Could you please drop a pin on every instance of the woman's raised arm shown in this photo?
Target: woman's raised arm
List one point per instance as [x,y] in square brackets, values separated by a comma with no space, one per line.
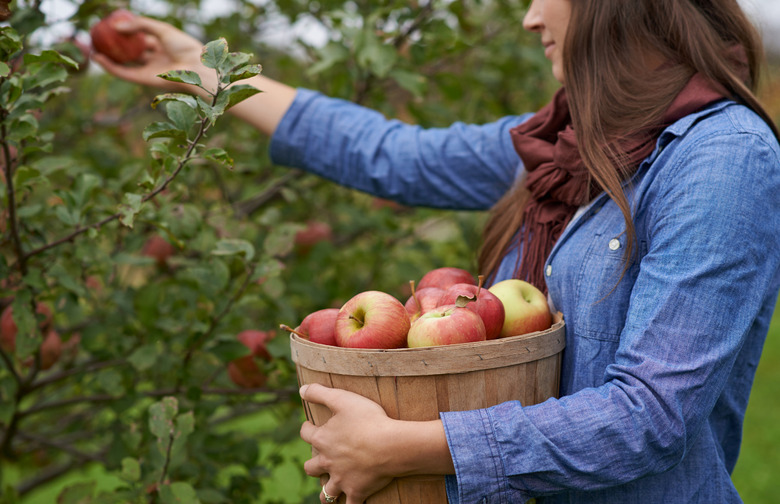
[169,48]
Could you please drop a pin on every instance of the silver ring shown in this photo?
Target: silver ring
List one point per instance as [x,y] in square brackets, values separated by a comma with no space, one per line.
[328,498]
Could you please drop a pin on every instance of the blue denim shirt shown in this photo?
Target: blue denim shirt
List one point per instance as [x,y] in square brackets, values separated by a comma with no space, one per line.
[658,365]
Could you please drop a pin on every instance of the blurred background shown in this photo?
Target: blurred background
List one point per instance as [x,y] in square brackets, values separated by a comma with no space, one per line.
[237,255]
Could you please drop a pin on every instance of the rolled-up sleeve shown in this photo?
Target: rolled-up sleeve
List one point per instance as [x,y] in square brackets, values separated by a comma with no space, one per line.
[462,166]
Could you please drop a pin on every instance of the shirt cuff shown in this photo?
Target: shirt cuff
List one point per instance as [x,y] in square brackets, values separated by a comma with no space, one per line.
[476,455]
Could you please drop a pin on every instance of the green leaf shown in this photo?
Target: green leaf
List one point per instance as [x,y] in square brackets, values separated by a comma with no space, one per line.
[281,240]
[189,100]
[145,357]
[228,247]
[10,42]
[25,126]
[79,493]
[183,76]
[8,388]
[161,415]
[163,130]
[228,350]
[215,53]
[44,74]
[219,156]
[110,380]
[245,72]
[28,338]
[333,53]
[50,56]
[412,82]
[178,493]
[181,115]
[131,470]
[236,94]
[130,208]
[5,70]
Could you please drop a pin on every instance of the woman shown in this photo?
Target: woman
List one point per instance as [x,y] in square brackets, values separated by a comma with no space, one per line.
[647,207]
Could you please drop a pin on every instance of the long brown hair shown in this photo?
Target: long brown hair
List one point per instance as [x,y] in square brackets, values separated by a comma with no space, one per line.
[614,89]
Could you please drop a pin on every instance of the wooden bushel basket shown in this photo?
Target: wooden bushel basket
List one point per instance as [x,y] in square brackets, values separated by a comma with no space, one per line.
[418,383]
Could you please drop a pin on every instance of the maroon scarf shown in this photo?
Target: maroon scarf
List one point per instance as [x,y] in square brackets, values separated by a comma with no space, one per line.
[557,178]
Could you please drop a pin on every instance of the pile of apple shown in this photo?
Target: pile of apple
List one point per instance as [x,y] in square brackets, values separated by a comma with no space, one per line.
[449,306]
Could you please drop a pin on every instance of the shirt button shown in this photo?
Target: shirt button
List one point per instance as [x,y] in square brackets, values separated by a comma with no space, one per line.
[549,270]
[614,244]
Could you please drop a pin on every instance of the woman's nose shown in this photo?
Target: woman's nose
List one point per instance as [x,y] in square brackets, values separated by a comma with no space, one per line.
[533,18]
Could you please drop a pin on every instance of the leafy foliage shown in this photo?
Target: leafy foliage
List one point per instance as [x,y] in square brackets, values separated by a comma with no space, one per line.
[96,170]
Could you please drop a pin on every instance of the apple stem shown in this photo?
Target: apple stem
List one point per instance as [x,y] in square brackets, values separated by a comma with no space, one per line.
[414,295]
[479,286]
[285,327]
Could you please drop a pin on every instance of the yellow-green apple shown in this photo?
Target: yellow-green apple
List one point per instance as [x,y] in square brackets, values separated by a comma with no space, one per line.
[118,46]
[422,300]
[489,308]
[446,325]
[372,319]
[446,277]
[525,307]
[319,326]
[244,371]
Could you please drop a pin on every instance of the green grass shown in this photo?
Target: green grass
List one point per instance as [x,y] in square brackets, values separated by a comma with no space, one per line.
[756,473]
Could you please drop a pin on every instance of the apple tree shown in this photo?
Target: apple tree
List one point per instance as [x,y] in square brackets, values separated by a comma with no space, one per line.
[142,233]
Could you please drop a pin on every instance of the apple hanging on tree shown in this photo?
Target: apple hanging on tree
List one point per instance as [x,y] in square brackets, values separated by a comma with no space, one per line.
[525,306]
[244,371]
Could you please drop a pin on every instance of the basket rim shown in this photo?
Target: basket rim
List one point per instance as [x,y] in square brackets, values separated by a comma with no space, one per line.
[447,359]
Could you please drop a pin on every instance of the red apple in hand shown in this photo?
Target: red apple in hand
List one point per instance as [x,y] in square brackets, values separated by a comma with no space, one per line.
[372,319]
[118,46]
[446,277]
[525,307]
[446,325]
[244,371]
[489,308]
[320,326]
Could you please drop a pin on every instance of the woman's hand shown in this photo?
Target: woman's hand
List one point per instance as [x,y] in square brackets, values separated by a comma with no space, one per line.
[167,48]
[361,449]
[353,445]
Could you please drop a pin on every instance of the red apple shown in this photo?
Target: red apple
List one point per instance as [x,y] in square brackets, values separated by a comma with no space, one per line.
[489,308]
[446,325]
[525,307]
[446,277]
[320,326]
[244,371]
[372,319]
[159,249]
[312,234]
[120,47]
[8,328]
[422,301]
[51,349]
